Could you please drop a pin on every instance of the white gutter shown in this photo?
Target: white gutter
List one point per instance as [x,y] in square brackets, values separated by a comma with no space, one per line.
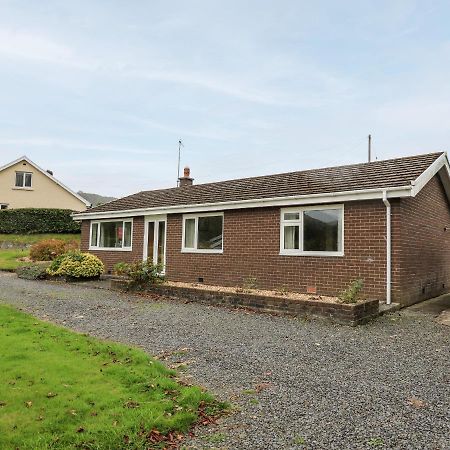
[388,248]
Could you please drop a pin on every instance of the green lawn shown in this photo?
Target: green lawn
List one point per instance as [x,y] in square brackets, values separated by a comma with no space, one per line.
[60,389]
[33,238]
[9,258]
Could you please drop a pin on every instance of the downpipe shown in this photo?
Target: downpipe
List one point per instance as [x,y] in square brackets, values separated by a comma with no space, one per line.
[388,247]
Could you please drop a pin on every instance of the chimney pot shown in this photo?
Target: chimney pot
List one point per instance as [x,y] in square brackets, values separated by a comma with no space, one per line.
[186,179]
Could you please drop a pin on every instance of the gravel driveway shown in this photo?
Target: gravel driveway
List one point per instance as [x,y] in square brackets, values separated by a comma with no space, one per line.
[295,383]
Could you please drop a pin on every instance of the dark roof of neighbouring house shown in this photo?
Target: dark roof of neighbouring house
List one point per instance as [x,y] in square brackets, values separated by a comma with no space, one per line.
[375,175]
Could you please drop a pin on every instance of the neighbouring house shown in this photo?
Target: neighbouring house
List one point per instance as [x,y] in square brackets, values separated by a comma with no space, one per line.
[23,184]
[385,222]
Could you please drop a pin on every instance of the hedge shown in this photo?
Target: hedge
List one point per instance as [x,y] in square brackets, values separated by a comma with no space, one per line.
[37,220]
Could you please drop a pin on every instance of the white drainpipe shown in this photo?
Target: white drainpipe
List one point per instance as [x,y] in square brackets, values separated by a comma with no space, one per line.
[388,248]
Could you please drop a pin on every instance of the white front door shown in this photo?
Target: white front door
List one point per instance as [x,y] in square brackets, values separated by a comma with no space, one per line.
[155,240]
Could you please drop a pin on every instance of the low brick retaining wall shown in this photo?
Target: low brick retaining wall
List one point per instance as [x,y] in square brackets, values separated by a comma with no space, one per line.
[348,314]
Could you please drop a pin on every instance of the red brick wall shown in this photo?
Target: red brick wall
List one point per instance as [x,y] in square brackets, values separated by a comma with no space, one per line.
[422,247]
[252,247]
[112,257]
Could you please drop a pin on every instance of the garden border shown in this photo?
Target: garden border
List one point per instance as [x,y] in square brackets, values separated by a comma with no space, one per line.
[347,314]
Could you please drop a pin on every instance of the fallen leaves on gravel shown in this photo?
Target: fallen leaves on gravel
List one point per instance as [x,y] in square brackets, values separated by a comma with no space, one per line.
[261,386]
[168,353]
[417,402]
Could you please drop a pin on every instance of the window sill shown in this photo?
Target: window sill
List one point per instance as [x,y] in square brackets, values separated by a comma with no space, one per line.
[193,250]
[17,188]
[322,254]
[110,249]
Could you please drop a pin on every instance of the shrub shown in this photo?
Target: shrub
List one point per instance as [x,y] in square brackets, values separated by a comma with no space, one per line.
[350,295]
[141,273]
[37,220]
[121,268]
[49,249]
[76,264]
[33,272]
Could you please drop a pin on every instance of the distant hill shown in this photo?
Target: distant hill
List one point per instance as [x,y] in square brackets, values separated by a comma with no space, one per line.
[96,199]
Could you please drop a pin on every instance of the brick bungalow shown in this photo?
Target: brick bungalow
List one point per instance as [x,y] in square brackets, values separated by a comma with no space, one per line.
[386,222]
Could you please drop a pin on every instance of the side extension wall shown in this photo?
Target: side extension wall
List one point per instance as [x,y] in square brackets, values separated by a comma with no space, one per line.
[422,246]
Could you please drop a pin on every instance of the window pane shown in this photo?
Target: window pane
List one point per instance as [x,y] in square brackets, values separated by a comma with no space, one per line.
[127,234]
[111,234]
[28,180]
[151,241]
[291,216]
[94,235]
[321,230]
[210,232]
[19,179]
[291,237]
[161,241]
[189,233]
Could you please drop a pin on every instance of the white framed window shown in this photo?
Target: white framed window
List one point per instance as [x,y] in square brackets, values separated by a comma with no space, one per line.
[312,230]
[4,205]
[203,233]
[23,180]
[111,235]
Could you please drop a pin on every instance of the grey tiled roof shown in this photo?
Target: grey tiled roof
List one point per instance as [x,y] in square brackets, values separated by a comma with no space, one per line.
[375,175]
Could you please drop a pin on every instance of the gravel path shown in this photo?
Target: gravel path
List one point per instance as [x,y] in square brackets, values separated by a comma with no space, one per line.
[295,383]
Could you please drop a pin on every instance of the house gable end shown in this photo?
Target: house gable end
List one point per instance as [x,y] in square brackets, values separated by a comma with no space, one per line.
[441,168]
[47,175]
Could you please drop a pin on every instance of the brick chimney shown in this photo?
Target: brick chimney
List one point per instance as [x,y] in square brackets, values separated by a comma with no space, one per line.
[186,179]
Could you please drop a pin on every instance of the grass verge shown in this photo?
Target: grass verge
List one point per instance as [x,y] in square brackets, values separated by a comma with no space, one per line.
[9,258]
[34,238]
[60,389]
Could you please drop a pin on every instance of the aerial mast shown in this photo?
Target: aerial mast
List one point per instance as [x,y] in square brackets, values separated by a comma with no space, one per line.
[180,144]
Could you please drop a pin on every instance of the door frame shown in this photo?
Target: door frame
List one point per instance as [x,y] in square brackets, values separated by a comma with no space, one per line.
[156,218]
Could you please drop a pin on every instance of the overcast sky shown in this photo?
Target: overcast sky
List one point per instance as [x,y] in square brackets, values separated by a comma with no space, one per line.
[101,91]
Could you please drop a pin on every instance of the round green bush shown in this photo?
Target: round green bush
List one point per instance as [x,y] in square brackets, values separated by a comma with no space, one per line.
[76,264]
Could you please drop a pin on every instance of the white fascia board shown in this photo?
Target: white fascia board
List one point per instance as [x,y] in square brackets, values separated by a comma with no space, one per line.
[444,175]
[368,194]
[22,158]
[25,158]
[429,173]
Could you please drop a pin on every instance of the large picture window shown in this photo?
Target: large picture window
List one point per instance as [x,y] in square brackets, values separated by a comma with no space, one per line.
[203,233]
[312,231]
[111,235]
